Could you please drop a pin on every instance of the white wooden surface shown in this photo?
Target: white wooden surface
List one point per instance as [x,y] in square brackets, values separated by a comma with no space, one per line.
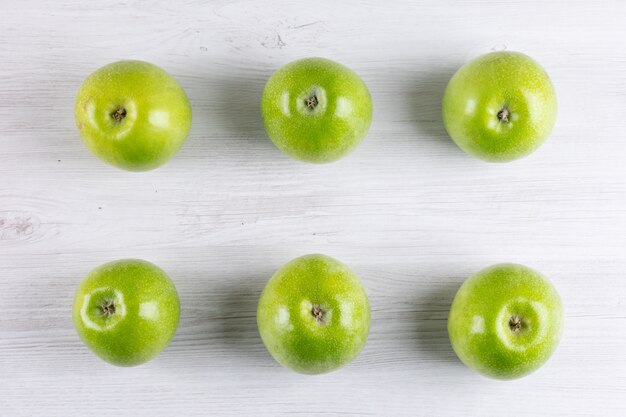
[408,211]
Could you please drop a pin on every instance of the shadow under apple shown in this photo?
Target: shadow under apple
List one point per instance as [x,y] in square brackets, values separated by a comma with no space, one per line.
[425,98]
[236,329]
[227,109]
[431,321]
[218,325]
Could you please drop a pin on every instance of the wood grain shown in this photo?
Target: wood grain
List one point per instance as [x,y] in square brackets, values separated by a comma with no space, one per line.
[408,211]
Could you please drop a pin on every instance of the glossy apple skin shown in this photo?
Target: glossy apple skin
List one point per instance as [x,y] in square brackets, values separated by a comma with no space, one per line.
[330,130]
[157,115]
[482,88]
[146,311]
[290,331]
[480,326]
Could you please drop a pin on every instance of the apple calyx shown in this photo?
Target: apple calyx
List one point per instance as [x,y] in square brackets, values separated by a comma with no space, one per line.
[318,313]
[516,323]
[107,308]
[119,114]
[311,102]
[504,114]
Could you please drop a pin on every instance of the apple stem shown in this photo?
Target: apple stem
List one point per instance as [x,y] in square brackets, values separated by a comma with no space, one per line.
[108,308]
[503,115]
[317,312]
[515,323]
[311,102]
[119,114]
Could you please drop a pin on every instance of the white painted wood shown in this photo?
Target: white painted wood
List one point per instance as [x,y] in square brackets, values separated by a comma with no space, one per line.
[408,211]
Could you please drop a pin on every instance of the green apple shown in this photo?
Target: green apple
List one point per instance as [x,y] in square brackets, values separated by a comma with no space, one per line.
[316,110]
[500,106]
[126,311]
[133,115]
[313,315]
[505,321]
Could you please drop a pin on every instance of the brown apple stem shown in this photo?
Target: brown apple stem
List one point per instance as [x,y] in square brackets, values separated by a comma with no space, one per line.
[318,313]
[107,308]
[311,102]
[515,323]
[119,114]
[503,115]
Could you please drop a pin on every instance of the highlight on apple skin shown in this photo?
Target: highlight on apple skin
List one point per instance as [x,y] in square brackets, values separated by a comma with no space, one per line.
[316,110]
[500,106]
[505,321]
[132,115]
[313,315]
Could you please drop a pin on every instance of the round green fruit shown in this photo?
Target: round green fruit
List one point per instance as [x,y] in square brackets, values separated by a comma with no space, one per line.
[505,321]
[500,106]
[313,315]
[316,110]
[133,115]
[126,311]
